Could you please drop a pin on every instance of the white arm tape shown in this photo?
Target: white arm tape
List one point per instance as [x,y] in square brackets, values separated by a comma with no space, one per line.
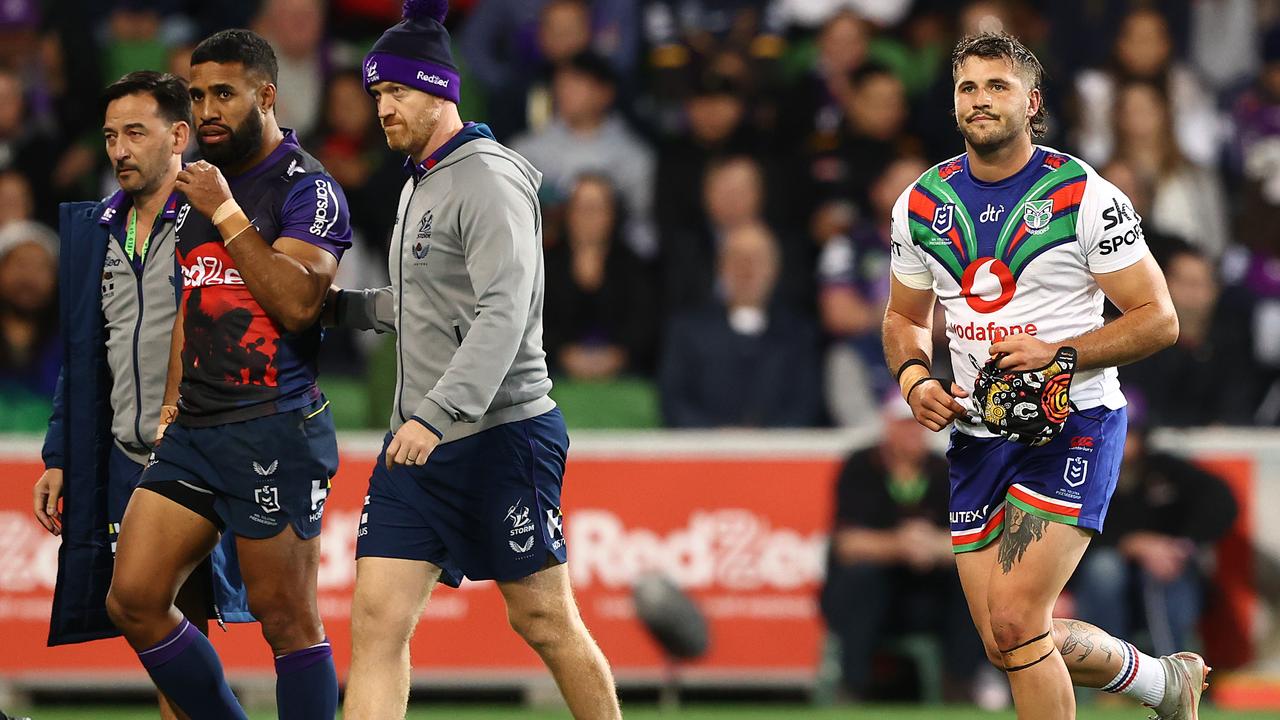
[916,281]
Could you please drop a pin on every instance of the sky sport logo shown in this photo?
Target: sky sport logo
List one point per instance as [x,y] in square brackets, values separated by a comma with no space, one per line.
[433,79]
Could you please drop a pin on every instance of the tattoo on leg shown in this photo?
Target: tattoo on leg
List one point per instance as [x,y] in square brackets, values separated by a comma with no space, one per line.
[1021,529]
[1082,639]
[1079,638]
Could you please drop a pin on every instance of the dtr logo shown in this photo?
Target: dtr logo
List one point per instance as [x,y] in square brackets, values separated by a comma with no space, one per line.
[987,285]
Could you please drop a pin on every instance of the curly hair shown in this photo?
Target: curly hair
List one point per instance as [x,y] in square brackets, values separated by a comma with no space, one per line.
[1001,45]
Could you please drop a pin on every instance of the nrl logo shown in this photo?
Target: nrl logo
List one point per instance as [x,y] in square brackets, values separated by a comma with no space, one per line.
[1037,214]
[943,218]
[1075,471]
[268,498]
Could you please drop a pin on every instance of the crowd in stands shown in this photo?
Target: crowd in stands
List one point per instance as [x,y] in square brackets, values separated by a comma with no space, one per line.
[718,179]
[718,176]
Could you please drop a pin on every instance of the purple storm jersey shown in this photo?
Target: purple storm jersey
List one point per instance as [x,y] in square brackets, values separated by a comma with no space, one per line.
[238,363]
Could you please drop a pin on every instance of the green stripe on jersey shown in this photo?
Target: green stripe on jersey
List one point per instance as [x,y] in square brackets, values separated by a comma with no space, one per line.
[1069,171]
[934,183]
[927,240]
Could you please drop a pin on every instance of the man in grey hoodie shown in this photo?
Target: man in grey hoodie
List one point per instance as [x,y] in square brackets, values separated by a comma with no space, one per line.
[468,483]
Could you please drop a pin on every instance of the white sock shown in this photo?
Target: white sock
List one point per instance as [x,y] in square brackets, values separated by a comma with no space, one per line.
[1141,676]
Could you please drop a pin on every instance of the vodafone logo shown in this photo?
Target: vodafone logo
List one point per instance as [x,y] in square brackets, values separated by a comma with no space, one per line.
[987,285]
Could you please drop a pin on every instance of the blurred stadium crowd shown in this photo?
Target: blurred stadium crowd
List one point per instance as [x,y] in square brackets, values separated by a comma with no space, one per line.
[719,175]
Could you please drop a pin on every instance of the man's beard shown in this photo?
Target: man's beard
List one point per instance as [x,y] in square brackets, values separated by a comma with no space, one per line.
[242,143]
[989,141]
[416,133]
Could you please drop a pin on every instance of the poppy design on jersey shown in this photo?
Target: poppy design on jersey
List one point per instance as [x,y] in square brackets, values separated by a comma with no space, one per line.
[987,261]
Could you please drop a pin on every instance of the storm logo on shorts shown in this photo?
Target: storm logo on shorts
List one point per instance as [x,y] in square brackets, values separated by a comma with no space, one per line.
[518,514]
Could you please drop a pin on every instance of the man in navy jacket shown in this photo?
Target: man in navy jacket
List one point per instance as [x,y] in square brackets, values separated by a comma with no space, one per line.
[118,301]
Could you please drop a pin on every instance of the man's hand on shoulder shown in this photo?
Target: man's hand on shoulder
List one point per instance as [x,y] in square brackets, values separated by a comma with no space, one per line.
[47,493]
[204,187]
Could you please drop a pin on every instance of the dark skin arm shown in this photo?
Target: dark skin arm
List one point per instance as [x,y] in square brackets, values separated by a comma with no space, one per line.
[169,406]
[289,277]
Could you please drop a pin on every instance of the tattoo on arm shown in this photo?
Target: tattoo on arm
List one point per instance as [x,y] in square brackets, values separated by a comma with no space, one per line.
[1021,529]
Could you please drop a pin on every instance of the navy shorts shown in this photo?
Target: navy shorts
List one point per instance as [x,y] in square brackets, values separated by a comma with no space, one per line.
[1068,480]
[486,506]
[220,571]
[123,475]
[259,475]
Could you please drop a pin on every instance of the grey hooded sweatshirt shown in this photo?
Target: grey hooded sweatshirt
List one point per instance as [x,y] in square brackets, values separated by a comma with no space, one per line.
[466,291]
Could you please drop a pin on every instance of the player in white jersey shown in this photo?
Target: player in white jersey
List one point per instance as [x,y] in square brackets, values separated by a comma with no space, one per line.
[1021,243]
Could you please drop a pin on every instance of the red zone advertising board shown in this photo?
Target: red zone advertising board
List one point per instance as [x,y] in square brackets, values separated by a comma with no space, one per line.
[745,537]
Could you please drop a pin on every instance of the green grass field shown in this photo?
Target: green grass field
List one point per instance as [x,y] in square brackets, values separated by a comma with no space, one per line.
[697,712]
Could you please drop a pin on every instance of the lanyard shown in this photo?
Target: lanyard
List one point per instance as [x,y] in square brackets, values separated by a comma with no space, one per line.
[131,237]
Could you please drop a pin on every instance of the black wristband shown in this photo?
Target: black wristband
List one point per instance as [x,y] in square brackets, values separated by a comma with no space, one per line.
[903,367]
[917,384]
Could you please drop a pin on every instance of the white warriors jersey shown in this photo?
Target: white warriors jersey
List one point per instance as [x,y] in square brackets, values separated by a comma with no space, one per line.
[1015,256]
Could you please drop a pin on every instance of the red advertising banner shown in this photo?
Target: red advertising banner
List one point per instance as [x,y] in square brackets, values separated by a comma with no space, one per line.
[746,538]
